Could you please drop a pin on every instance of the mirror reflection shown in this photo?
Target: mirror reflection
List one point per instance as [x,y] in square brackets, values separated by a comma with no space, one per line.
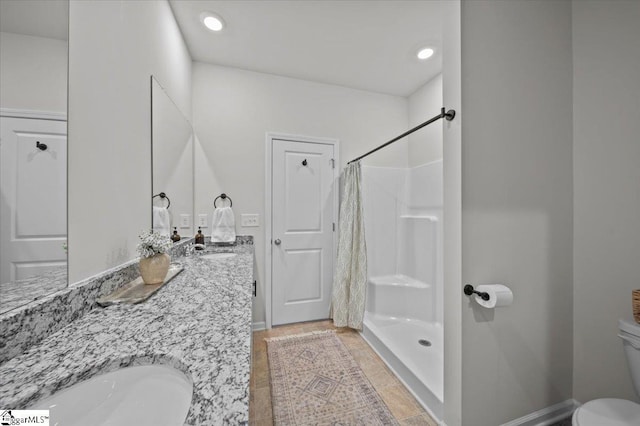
[33,150]
[172,167]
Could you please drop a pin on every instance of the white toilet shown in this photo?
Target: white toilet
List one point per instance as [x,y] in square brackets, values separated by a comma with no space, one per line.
[613,411]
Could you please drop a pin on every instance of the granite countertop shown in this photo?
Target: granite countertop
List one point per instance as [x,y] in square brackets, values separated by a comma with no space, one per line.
[21,292]
[199,323]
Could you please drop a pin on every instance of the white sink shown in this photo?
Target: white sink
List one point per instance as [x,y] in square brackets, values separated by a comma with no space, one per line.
[147,395]
[218,256]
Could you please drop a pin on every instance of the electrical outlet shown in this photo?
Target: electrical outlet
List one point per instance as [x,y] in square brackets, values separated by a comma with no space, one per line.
[202,220]
[249,220]
[185,221]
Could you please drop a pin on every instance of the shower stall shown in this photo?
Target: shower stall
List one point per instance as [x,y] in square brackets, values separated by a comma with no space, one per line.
[403,314]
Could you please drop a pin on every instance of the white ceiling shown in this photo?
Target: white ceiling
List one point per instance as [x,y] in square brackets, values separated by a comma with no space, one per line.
[41,18]
[368,45]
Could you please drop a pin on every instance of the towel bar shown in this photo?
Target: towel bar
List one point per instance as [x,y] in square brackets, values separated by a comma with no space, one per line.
[164,196]
[224,197]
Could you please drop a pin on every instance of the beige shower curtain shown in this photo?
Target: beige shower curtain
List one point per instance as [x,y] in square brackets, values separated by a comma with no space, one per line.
[350,280]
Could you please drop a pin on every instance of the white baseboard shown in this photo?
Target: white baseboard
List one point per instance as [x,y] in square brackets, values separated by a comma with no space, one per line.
[257,326]
[546,416]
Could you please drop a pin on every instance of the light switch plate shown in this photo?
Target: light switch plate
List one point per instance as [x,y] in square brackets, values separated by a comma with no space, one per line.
[202,220]
[185,221]
[250,220]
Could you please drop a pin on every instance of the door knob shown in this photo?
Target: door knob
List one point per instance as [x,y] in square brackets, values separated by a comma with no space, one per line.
[277,242]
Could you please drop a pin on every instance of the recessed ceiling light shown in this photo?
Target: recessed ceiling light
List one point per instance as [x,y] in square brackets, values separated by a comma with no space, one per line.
[425,53]
[212,21]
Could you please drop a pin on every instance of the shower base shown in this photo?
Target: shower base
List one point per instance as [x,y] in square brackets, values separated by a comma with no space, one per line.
[413,350]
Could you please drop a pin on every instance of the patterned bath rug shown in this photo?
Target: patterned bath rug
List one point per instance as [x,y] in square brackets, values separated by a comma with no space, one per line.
[316,381]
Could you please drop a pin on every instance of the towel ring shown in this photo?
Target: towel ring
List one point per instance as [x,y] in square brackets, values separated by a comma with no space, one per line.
[163,196]
[224,197]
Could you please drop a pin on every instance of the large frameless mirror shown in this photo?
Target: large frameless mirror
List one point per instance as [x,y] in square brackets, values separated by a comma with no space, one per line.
[33,150]
[172,165]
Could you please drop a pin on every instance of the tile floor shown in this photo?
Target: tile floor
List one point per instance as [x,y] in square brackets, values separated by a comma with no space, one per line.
[401,403]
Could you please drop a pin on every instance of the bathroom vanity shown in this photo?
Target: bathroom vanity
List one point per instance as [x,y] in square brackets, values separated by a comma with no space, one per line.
[198,323]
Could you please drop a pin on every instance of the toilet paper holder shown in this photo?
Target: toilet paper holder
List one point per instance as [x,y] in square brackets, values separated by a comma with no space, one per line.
[468,290]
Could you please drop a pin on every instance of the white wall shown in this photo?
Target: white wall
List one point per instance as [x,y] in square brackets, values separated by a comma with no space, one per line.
[422,257]
[452,212]
[397,241]
[425,145]
[33,73]
[516,206]
[114,48]
[606,166]
[232,111]
[382,199]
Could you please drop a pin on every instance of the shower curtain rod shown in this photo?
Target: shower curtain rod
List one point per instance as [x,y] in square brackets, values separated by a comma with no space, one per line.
[449,115]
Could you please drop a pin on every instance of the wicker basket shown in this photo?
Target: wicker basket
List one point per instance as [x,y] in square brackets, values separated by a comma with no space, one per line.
[636,305]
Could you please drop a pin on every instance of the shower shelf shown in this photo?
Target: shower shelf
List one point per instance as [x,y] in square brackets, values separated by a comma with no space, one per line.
[425,217]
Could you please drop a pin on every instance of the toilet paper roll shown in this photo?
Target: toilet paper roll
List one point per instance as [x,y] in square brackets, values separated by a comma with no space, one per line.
[499,295]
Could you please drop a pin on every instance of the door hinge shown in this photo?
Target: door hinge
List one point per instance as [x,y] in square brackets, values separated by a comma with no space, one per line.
[255,288]
[334,227]
[333,163]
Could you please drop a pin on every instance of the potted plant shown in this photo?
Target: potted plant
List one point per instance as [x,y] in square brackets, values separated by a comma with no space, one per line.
[154,260]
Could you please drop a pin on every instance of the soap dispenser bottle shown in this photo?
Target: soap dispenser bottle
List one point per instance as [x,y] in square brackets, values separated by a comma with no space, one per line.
[175,237]
[199,238]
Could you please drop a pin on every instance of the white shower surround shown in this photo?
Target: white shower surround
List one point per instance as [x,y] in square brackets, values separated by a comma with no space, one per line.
[403,224]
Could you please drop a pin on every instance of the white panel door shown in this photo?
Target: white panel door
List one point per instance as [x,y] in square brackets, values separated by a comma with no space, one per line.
[33,184]
[302,230]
